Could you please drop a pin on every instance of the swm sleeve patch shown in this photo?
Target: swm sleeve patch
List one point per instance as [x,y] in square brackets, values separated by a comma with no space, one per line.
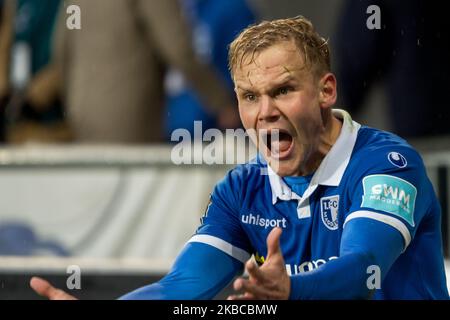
[390,194]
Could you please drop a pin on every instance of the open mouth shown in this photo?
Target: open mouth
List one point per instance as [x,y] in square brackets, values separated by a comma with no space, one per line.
[278,142]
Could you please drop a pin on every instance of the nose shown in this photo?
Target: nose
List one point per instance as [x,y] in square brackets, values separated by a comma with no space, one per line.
[268,111]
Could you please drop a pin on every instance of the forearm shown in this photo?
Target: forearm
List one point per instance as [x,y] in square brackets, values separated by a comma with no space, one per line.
[343,278]
[346,277]
[191,277]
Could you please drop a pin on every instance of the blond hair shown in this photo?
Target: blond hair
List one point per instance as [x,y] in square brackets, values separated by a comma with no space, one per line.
[256,38]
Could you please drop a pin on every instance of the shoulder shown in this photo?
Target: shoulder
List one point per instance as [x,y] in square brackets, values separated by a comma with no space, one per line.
[386,175]
[240,183]
[243,178]
[246,174]
[382,158]
[384,151]
[383,163]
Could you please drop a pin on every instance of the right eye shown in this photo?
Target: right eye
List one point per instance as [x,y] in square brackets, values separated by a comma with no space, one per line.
[250,97]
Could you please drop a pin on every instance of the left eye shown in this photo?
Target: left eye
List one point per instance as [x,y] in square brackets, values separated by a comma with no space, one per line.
[283,91]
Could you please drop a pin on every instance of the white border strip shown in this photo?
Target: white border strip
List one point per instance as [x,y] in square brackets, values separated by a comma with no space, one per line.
[393,222]
[222,245]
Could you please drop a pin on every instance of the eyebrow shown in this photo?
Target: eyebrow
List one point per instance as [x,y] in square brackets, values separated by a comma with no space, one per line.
[285,81]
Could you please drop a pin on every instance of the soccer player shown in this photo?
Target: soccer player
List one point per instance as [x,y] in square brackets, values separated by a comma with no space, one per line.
[330,209]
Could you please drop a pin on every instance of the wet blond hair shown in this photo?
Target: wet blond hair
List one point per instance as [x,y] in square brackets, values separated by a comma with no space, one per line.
[256,38]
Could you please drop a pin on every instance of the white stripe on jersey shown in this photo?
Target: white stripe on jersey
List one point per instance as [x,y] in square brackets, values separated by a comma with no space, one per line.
[222,245]
[393,222]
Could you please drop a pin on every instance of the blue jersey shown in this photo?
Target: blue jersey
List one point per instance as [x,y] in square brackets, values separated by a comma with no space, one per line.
[367,174]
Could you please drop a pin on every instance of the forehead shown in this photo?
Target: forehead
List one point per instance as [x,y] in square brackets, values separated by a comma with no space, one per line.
[275,62]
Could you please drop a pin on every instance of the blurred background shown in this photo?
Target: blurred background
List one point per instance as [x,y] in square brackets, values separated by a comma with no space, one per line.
[90,97]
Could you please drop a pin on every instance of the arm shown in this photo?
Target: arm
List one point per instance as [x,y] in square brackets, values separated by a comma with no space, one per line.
[364,243]
[215,253]
[199,272]
[211,258]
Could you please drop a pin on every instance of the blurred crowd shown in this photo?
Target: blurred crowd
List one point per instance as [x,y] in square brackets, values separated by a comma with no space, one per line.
[125,76]
[137,70]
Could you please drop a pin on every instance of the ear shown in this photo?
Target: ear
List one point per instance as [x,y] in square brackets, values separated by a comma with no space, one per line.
[328,90]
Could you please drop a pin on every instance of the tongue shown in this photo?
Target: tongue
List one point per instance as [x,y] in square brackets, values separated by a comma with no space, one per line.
[281,145]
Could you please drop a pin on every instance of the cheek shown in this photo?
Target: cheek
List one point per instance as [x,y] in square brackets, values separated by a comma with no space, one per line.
[305,116]
[297,110]
[248,117]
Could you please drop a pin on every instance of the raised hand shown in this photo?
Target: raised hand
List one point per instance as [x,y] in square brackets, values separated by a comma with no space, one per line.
[270,281]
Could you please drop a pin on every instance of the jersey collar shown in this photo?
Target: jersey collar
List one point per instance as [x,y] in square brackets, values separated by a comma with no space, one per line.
[332,167]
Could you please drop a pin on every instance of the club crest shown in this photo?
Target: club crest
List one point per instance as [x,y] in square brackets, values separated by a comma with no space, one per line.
[329,207]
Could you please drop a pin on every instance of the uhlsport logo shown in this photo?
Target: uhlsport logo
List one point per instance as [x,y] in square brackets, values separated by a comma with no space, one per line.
[390,194]
[263,222]
[397,159]
[329,207]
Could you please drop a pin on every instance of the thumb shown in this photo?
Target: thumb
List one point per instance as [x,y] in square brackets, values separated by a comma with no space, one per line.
[273,242]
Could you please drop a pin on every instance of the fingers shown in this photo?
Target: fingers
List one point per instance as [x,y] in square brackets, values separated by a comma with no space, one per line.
[273,242]
[42,287]
[245,296]
[45,289]
[266,281]
[251,289]
[253,271]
